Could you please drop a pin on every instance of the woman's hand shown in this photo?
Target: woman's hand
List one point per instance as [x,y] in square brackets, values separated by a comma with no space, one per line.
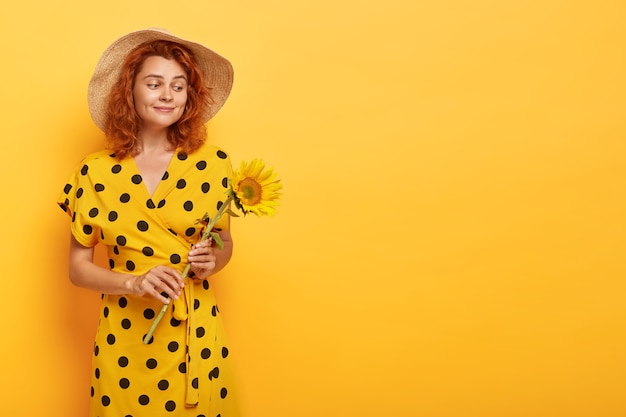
[202,259]
[158,280]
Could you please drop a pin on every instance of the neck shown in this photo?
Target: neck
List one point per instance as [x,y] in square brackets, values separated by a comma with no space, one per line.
[153,141]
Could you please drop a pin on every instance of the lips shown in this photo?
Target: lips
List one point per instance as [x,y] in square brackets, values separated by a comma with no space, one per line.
[165,109]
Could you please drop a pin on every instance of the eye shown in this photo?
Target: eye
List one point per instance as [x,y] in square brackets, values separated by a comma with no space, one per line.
[153,85]
[178,88]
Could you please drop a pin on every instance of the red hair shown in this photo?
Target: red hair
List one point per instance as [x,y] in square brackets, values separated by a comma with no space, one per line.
[122,123]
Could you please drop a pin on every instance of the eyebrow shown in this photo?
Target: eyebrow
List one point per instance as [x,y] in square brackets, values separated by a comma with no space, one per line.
[161,77]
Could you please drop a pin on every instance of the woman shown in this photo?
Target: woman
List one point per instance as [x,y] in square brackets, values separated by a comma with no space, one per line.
[151,94]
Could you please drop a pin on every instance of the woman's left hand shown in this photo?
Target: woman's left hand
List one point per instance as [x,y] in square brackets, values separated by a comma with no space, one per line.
[202,259]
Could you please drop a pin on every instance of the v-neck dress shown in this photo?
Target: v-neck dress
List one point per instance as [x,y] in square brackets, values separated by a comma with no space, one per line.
[184,370]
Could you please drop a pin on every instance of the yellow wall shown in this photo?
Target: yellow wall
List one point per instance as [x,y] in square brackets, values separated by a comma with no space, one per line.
[452,233]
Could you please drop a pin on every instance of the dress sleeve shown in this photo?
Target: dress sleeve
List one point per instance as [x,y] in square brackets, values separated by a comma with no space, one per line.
[74,200]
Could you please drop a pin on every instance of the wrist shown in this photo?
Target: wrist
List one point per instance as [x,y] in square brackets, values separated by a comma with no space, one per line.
[129,284]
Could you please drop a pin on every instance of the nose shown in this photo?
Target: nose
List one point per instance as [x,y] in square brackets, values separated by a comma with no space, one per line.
[166,95]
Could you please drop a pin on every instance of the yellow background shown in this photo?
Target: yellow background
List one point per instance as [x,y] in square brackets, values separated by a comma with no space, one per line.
[451,238]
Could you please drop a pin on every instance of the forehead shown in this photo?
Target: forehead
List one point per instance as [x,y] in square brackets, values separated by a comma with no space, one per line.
[158,65]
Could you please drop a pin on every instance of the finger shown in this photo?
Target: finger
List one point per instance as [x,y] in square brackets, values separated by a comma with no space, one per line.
[150,286]
[172,277]
[161,289]
[201,250]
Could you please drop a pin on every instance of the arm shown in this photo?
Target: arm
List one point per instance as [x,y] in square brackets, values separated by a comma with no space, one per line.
[84,273]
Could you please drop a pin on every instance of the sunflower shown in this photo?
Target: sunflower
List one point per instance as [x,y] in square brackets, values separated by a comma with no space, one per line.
[256,189]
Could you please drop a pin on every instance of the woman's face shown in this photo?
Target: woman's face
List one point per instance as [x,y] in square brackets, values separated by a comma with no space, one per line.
[160,92]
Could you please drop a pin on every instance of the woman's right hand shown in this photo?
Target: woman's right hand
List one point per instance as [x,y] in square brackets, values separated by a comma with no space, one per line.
[159,280]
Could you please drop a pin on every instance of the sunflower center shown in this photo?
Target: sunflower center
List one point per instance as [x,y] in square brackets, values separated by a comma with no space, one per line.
[251,190]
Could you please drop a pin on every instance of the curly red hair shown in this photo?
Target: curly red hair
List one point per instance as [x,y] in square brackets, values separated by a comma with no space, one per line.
[122,123]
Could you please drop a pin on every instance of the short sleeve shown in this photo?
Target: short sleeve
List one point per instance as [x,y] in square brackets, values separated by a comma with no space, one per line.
[74,200]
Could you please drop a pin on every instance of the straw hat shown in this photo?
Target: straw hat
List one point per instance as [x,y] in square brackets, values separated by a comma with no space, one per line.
[217,70]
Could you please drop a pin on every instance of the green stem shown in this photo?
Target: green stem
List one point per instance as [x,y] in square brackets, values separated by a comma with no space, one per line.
[205,235]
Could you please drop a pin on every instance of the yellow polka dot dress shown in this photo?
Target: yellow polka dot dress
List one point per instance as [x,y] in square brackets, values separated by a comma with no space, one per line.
[184,370]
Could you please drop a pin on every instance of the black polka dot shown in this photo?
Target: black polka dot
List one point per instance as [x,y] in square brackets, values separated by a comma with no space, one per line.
[205,187]
[125,198]
[67,189]
[170,406]
[111,339]
[130,265]
[172,347]
[142,225]
[97,373]
[206,353]
[219,204]
[205,284]
[215,373]
[194,383]
[225,182]
[111,263]
[174,322]
[123,302]
[126,324]
[93,212]
[79,192]
[96,350]
[161,203]
[116,250]
[124,383]
[201,165]
[148,251]
[182,156]
[121,240]
[105,312]
[223,392]
[224,352]
[144,399]
[151,363]
[190,231]
[196,304]
[172,231]
[163,385]
[136,179]
[99,187]
[92,392]
[166,175]
[175,258]
[122,361]
[188,206]
[181,184]
[182,368]
[150,204]
[221,155]
[116,168]
[200,332]
[112,216]
[87,229]
[148,313]
[106,400]
[214,311]
[149,340]
[84,170]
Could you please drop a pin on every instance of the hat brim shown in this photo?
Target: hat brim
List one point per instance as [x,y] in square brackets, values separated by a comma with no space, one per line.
[217,70]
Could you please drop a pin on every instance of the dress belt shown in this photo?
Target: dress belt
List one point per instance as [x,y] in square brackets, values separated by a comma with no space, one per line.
[184,313]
